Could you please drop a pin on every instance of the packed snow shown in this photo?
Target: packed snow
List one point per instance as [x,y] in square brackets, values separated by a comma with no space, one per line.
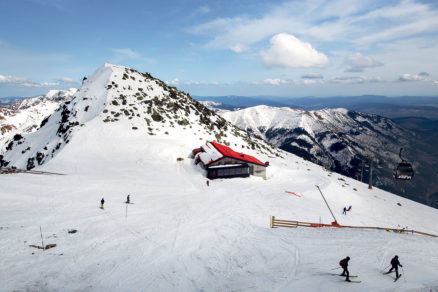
[179,234]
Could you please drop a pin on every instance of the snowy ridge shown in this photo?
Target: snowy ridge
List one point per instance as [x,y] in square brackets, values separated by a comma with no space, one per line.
[25,116]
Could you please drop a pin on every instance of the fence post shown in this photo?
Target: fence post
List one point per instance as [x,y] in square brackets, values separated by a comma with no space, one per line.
[272,221]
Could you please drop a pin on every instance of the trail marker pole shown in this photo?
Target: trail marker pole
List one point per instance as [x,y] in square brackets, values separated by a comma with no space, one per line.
[370,183]
[327,204]
[42,241]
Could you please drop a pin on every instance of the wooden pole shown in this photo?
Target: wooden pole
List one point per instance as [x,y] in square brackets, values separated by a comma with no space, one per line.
[42,241]
[327,204]
[272,221]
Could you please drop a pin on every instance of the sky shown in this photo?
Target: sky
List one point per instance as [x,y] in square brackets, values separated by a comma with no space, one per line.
[233,47]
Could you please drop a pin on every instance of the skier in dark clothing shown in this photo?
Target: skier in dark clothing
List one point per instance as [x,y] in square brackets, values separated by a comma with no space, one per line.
[345,211]
[128,199]
[101,203]
[394,265]
[344,264]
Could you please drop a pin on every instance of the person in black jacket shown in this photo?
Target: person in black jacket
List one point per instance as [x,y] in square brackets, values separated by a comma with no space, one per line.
[344,264]
[394,265]
[101,203]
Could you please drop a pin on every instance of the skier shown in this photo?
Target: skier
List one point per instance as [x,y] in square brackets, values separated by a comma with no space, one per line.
[395,263]
[101,203]
[128,199]
[208,183]
[344,264]
[345,211]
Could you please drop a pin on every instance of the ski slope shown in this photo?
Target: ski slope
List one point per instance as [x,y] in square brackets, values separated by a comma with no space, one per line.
[180,235]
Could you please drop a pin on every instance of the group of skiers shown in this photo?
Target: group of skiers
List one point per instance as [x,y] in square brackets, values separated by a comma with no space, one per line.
[346,210]
[128,201]
[394,266]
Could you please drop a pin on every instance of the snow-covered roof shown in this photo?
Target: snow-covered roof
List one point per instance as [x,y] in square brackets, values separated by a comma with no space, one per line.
[210,154]
[214,151]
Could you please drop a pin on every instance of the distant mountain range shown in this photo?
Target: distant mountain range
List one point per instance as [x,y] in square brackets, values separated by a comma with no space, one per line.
[344,141]
[401,109]
[7,101]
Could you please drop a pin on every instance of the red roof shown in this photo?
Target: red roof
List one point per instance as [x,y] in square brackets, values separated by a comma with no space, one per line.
[227,151]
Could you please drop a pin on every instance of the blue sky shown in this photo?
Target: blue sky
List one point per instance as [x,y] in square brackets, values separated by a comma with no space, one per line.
[282,48]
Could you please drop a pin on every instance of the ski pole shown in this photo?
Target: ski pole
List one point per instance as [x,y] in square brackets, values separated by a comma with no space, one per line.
[404,275]
[335,268]
[386,267]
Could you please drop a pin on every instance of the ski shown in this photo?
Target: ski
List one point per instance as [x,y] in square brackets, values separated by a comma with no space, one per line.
[397,277]
[353,281]
[351,276]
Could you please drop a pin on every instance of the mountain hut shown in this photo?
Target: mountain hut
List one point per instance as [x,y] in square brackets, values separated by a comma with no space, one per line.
[221,161]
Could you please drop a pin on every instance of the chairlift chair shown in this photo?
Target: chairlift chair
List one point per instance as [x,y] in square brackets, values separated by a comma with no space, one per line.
[404,169]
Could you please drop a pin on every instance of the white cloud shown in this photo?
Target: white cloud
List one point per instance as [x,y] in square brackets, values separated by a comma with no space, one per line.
[336,24]
[358,62]
[175,81]
[312,81]
[20,81]
[67,80]
[356,80]
[126,53]
[201,10]
[275,81]
[288,51]
[191,82]
[423,76]
[239,48]
[312,76]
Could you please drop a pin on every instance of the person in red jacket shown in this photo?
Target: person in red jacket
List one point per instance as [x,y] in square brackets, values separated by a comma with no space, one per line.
[344,264]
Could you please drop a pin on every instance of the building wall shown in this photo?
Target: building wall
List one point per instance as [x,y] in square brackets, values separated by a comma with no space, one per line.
[258,170]
[242,171]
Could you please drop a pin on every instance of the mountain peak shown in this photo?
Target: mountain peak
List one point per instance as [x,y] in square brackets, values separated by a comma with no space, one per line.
[126,103]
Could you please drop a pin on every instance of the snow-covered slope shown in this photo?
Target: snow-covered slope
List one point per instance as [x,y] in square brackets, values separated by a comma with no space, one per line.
[343,141]
[180,234]
[26,115]
[118,103]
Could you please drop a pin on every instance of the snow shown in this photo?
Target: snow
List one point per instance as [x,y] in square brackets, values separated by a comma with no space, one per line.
[182,235]
[210,154]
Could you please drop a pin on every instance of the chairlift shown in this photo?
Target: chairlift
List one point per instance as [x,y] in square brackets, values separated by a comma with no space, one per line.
[404,169]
